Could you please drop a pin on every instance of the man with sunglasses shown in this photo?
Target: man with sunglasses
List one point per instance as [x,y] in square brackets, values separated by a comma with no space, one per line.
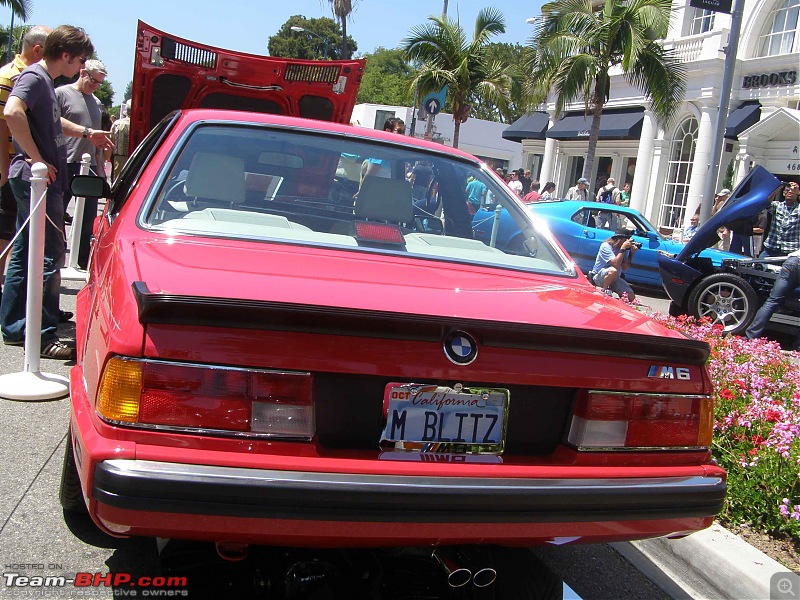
[79,105]
[38,130]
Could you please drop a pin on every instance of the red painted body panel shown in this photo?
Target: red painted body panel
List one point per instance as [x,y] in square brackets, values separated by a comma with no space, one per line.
[360,534]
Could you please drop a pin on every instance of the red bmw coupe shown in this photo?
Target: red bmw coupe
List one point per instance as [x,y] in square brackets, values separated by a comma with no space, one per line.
[284,341]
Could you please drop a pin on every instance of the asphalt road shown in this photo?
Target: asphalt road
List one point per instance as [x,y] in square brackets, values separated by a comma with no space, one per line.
[36,540]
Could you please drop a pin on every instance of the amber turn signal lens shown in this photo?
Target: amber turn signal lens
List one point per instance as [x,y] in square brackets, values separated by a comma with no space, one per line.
[120,390]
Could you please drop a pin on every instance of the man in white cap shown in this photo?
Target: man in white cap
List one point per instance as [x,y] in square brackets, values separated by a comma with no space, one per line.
[580,191]
[720,198]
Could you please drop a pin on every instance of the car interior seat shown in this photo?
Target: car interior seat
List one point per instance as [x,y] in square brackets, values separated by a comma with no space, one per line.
[216,177]
[382,199]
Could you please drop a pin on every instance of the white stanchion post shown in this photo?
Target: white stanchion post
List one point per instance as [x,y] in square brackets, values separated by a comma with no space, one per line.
[31,384]
[72,272]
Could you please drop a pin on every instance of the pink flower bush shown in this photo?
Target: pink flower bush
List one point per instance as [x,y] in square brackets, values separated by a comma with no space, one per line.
[757,426]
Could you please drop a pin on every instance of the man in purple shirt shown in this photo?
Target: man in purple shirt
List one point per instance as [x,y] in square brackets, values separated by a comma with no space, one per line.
[38,130]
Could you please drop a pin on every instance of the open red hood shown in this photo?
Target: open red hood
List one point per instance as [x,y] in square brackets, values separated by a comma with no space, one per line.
[172,73]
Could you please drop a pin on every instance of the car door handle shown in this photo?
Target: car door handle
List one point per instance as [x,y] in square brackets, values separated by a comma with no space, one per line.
[589,234]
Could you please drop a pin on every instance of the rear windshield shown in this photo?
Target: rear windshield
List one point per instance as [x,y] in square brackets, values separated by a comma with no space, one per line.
[282,185]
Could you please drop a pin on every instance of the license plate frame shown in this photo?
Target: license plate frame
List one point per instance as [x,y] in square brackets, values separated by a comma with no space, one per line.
[431,418]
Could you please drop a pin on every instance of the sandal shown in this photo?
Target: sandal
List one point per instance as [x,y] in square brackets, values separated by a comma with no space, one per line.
[65,316]
[58,350]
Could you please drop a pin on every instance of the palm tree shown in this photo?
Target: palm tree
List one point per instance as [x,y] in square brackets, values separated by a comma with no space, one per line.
[342,9]
[448,58]
[578,43]
[20,8]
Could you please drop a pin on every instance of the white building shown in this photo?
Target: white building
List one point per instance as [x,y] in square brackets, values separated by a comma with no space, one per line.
[667,168]
[483,139]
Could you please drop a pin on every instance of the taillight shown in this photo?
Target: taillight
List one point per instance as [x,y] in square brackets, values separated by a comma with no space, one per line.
[386,233]
[209,398]
[622,420]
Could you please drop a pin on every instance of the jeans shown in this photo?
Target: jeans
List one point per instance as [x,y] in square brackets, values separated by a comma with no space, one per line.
[15,289]
[89,215]
[740,244]
[783,287]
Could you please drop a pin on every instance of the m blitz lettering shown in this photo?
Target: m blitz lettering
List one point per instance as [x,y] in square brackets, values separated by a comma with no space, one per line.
[769,80]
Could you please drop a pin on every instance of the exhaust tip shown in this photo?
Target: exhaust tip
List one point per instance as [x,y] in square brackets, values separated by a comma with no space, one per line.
[484,577]
[457,576]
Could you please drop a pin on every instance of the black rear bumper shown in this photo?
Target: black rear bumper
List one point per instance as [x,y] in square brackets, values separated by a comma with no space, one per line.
[237,492]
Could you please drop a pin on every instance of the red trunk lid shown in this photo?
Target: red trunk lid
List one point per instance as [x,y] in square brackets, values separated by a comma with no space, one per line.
[172,73]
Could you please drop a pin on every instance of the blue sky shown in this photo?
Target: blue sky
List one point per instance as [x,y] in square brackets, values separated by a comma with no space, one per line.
[246,25]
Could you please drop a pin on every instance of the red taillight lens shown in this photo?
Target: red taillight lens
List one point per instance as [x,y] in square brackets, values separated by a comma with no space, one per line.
[207,397]
[609,420]
[386,233]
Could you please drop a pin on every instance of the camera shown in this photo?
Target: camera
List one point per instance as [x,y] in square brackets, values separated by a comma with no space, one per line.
[636,245]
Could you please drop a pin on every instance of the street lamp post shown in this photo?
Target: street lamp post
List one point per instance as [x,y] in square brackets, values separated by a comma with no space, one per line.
[324,39]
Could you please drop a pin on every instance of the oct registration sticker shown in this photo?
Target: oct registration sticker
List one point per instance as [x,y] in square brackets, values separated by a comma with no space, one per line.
[457,420]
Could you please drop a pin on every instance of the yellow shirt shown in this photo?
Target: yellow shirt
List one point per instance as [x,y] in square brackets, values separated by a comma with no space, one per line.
[8,77]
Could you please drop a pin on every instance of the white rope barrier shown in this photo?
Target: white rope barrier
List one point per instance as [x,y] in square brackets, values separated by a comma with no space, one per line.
[72,272]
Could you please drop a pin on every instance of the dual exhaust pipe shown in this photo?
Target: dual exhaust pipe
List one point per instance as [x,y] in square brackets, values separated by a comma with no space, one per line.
[460,569]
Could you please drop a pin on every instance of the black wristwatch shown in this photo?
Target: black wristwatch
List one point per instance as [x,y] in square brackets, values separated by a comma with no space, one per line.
[85,132]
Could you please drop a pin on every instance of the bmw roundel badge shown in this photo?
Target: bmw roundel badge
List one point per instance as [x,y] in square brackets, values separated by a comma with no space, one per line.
[460,347]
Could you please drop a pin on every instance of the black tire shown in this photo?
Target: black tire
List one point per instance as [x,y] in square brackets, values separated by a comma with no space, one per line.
[726,299]
[69,492]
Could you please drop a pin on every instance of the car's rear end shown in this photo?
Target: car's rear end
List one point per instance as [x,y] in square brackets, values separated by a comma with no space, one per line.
[275,426]
[265,358]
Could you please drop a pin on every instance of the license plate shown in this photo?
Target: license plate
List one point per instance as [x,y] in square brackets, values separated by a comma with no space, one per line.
[430,418]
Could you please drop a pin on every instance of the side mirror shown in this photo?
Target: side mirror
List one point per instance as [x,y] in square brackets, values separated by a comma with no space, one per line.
[89,186]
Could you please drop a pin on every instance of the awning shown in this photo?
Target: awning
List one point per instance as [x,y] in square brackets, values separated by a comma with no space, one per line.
[744,117]
[615,124]
[528,127]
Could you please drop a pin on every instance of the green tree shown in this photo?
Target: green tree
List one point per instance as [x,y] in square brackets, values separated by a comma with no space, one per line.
[578,43]
[16,41]
[447,57]
[512,57]
[20,8]
[309,43]
[128,92]
[105,93]
[387,79]
[342,9]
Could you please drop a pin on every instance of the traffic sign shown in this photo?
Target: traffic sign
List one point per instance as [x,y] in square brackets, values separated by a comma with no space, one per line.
[713,5]
[432,105]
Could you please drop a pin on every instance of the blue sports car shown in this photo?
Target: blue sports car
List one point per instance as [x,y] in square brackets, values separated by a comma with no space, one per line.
[580,227]
[730,294]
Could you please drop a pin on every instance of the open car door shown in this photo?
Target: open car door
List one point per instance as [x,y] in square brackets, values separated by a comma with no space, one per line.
[172,73]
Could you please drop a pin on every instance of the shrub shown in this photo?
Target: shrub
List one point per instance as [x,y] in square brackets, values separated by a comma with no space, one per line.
[757,426]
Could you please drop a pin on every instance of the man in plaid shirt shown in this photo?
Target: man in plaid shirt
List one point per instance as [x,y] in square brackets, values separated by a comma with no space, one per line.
[784,232]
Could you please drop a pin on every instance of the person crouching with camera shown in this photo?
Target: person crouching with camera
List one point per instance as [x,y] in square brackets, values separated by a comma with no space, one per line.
[613,259]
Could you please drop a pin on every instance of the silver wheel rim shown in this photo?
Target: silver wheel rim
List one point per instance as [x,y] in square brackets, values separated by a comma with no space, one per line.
[724,304]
